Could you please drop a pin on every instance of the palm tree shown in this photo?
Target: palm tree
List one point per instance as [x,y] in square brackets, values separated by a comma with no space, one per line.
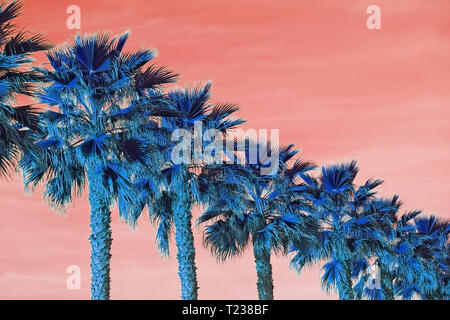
[171,192]
[264,209]
[412,259]
[18,125]
[433,248]
[382,212]
[419,265]
[350,230]
[101,99]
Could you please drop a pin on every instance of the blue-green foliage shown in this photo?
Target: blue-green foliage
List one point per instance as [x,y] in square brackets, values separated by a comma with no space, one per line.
[19,124]
[421,260]
[361,230]
[412,259]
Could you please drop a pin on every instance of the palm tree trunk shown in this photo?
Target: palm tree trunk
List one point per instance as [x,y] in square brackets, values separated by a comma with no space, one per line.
[185,241]
[264,274]
[100,238]
[346,284]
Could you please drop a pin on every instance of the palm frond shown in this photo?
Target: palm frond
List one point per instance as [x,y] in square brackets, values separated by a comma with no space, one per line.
[20,44]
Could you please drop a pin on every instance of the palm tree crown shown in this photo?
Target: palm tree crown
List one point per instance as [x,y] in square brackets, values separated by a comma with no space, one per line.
[18,125]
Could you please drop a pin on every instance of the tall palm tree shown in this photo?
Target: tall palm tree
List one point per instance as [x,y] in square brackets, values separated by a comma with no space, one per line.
[170,193]
[264,209]
[100,100]
[18,125]
[349,233]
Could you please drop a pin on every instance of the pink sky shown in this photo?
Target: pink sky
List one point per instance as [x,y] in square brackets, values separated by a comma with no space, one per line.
[309,68]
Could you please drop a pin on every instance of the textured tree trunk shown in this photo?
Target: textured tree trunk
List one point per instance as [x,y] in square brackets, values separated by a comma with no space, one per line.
[346,285]
[264,274]
[100,238]
[184,240]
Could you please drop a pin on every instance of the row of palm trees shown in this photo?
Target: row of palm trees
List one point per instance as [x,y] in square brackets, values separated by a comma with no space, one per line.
[109,122]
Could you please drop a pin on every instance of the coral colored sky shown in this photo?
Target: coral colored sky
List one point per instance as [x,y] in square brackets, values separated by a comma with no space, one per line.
[309,68]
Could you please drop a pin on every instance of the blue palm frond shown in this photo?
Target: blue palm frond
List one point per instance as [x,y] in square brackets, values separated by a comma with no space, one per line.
[365,192]
[53,142]
[212,214]
[58,190]
[302,258]
[407,292]
[409,216]
[20,44]
[134,149]
[171,172]
[114,176]
[4,88]
[59,86]
[269,238]
[118,184]
[93,146]
[300,168]
[9,11]
[359,267]
[163,236]
[373,294]
[339,178]
[192,103]
[50,97]
[95,52]
[135,60]
[154,77]
[332,274]
[431,225]
[290,219]
[160,213]
[60,59]
[53,116]
[219,117]
[220,239]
